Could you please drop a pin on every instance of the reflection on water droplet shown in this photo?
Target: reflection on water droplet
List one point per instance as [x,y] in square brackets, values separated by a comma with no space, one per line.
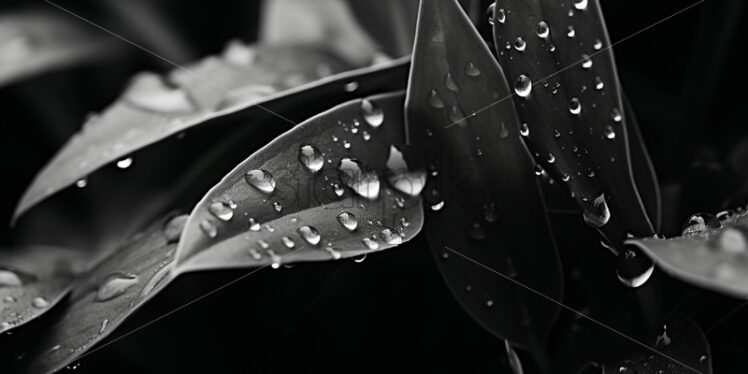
[500,15]
[596,214]
[449,82]
[404,222]
[524,130]
[83,182]
[523,86]
[438,206]
[254,225]
[575,107]
[391,237]
[599,83]
[520,44]
[435,100]
[616,115]
[580,4]
[372,113]
[369,243]
[610,134]
[287,242]
[348,221]
[542,29]
[472,70]
[124,163]
[275,260]
[311,158]
[261,180]
[221,211]
[400,177]
[700,222]
[309,234]
[115,285]
[209,229]
[586,62]
[570,32]
[356,175]
[277,206]
[634,268]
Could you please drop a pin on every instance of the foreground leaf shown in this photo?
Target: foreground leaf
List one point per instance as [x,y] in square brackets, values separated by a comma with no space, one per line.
[33,280]
[33,42]
[558,59]
[485,202]
[316,193]
[102,299]
[714,259]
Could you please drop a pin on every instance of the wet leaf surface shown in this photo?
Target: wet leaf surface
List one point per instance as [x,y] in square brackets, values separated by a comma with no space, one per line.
[483,200]
[34,42]
[99,301]
[709,254]
[327,189]
[557,58]
[33,280]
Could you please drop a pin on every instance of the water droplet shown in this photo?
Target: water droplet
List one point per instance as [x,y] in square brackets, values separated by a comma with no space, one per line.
[104,324]
[366,136]
[10,278]
[435,100]
[726,216]
[173,228]
[732,241]
[634,268]
[311,157]
[336,255]
[309,234]
[208,228]
[570,32]
[269,228]
[599,83]
[124,163]
[255,254]
[254,225]
[400,177]
[501,15]
[263,244]
[288,242]
[360,259]
[277,206]
[596,214]
[615,115]
[450,83]
[39,302]
[339,191]
[372,113]
[346,144]
[610,134]
[476,232]
[369,243]
[115,285]
[261,180]
[456,116]
[514,363]
[565,178]
[580,4]
[524,130]
[472,70]
[221,211]
[348,221]
[663,339]
[356,175]
[391,237]
[489,303]
[523,86]
[404,222]
[437,206]
[81,183]
[598,44]
[520,44]
[542,29]
[351,86]
[275,260]
[586,62]
[575,107]
[700,222]
[551,158]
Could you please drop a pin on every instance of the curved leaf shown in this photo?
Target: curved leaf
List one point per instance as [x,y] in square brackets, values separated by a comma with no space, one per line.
[643,169]
[287,202]
[715,259]
[557,56]
[486,204]
[33,42]
[102,299]
[154,108]
[33,280]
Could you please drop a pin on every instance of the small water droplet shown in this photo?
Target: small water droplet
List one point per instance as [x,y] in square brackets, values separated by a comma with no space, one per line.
[489,303]
[115,285]
[575,107]
[277,206]
[586,62]
[261,180]
[372,113]
[254,225]
[542,29]
[599,83]
[404,222]
[104,324]
[221,211]
[616,115]
[456,116]
[356,175]
[263,244]
[173,228]
[351,86]
[369,243]
[598,44]
[551,158]
[570,32]
[580,4]
[610,134]
[124,163]
[81,183]
[523,86]
[39,302]
[520,44]
[500,15]
[311,157]
[596,214]
[275,260]
[365,135]
[255,254]
[565,178]
[348,221]
[472,70]
[391,237]
[209,229]
[339,191]
[524,130]
[435,100]
[346,144]
[449,82]
[309,234]
[700,222]
[336,255]
[288,242]
[437,206]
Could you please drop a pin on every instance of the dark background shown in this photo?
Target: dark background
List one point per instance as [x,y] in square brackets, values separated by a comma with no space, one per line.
[684,78]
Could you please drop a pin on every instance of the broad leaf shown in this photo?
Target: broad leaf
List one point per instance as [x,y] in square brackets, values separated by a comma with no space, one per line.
[557,57]
[101,300]
[484,200]
[33,280]
[318,192]
[154,108]
[33,42]
[707,255]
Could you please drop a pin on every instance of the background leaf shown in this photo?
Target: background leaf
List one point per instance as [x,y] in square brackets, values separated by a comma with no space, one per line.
[288,201]
[558,57]
[485,202]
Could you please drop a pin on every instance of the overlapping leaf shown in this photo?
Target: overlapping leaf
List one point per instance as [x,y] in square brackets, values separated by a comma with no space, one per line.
[558,59]
[33,42]
[316,193]
[715,259]
[100,300]
[486,208]
[33,280]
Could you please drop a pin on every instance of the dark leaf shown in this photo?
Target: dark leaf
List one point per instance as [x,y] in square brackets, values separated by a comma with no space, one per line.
[316,193]
[33,280]
[558,59]
[643,169]
[707,255]
[485,202]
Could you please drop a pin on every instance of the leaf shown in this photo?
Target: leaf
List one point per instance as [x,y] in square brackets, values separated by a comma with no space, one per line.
[102,299]
[557,56]
[34,42]
[486,205]
[33,280]
[154,108]
[683,342]
[643,169]
[714,259]
[287,202]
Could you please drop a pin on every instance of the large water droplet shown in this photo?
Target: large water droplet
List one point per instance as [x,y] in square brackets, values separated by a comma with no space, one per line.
[580,4]
[542,29]
[221,211]
[501,15]
[435,100]
[39,302]
[400,177]
[523,86]
[309,234]
[596,214]
[115,285]
[209,229]
[369,243]
[634,268]
[261,180]
[472,70]
[13,278]
[372,113]
[311,158]
[575,107]
[348,221]
[391,237]
[700,222]
[356,175]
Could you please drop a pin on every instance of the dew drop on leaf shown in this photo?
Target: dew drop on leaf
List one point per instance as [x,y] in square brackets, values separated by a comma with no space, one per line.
[348,221]
[524,130]
[369,243]
[255,254]
[501,15]
[523,86]
[311,158]
[254,225]
[598,44]
[39,302]
[725,216]
[449,82]
[9,278]
[339,191]
[700,222]
[81,183]
[115,285]
[309,234]
[634,268]
[124,163]
[275,260]
[221,211]
[434,100]
[400,177]
[610,134]
[288,242]
[575,107]
[360,259]
[570,32]
[580,4]
[599,83]
[520,44]
[372,113]
[359,178]
[586,62]
[391,237]
[615,115]
[596,213]
[472,70]
[208,228]
[261,180]
[351,86]
[542,29]
[336,255]
[277,206]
